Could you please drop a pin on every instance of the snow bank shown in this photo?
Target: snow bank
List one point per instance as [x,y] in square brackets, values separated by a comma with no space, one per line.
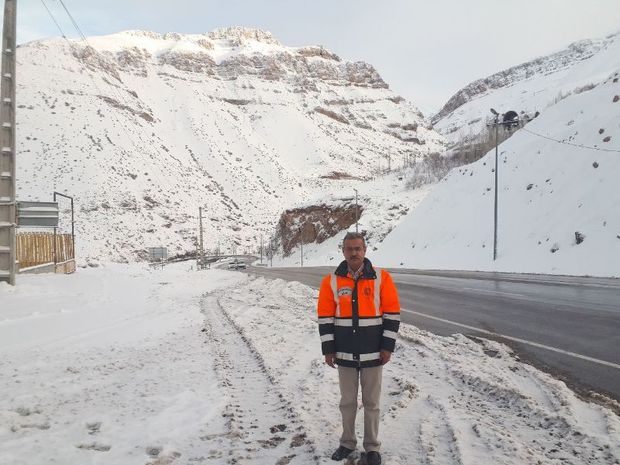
[131,365]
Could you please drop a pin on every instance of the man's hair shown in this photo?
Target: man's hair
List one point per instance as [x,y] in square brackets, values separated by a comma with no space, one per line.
[353,235]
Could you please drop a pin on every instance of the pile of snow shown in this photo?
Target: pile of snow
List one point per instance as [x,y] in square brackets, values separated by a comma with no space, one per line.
[126,364]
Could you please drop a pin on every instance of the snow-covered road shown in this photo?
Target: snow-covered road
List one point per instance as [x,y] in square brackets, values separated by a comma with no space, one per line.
[129,365]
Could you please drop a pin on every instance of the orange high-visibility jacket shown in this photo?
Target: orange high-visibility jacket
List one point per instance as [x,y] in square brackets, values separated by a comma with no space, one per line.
[358,318]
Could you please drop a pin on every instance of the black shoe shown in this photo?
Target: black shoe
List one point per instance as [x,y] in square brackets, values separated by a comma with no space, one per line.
[341,453]
[373,458]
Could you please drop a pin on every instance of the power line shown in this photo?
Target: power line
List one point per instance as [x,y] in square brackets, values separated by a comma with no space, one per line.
[73,21]
[115,91]
[570,143]
[54,19]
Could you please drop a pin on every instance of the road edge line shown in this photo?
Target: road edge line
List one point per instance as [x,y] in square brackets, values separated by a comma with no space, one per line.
[516,339]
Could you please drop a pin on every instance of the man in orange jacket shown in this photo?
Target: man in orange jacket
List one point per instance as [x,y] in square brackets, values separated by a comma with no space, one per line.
[359,316]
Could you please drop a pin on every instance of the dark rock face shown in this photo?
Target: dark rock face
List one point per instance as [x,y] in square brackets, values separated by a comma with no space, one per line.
[95,61]
[316,223]
[318,52]
[191,62]
[332,114]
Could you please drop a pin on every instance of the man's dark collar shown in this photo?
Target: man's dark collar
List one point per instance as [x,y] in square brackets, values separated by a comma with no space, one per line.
[368,270]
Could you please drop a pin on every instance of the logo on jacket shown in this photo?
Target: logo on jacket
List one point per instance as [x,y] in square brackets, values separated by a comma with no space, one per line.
[344,291]
[367,291]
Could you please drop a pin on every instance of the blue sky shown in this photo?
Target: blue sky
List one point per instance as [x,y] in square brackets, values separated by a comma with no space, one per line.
[425,50]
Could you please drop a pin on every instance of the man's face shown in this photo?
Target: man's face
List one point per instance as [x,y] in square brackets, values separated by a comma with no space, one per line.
[354,253]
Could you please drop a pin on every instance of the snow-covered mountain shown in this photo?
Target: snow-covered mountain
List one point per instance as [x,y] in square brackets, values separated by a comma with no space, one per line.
[528,88]
[559,201]
[144,128]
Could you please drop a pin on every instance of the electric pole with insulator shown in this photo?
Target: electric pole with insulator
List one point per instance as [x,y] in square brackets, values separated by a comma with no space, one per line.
[510,121]
[496,124]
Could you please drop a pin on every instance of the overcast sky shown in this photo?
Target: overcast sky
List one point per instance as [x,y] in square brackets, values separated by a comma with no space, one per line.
[425,50]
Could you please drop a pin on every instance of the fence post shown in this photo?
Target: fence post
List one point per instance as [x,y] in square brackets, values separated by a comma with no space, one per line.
[55,261]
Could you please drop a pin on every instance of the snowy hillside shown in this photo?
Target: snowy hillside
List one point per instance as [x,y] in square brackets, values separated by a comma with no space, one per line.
[144,128]
[559,202]
[530,87]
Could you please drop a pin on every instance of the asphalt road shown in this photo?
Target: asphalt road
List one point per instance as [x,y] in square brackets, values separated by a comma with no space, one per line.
[568,326]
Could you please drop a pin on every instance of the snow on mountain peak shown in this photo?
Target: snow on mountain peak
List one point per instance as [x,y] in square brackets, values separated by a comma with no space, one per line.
[242,34]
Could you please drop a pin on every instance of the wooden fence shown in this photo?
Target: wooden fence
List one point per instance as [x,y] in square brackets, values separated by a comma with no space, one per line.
[38,248]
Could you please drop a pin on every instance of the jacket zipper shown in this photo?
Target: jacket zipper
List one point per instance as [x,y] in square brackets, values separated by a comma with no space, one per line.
[355,315]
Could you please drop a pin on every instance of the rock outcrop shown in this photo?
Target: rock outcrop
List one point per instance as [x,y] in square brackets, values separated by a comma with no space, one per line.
[315,223]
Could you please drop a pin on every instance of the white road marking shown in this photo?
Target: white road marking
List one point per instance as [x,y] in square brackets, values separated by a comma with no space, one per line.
[516,339]
[435,286]
[613,284]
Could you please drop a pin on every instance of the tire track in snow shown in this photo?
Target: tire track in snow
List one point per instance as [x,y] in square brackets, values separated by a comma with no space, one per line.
[499,408]
[261,425]
[419,429]
[437,436]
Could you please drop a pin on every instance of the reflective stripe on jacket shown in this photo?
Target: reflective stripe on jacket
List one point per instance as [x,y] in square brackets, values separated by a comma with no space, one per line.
[356,321]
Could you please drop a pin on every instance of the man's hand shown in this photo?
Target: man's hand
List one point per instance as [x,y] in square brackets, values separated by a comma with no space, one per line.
[385,356]
[330,359]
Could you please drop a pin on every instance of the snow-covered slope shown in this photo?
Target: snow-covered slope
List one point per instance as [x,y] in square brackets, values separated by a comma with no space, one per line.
[559,201]
[530,87]
[144,128]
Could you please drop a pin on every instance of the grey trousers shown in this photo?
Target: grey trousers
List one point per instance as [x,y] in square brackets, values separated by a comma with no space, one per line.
[370,380]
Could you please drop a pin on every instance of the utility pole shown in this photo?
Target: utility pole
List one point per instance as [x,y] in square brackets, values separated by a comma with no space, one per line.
[301,240]
[201,253]
[271,251]
[496,124]
[356,210]
[7,146]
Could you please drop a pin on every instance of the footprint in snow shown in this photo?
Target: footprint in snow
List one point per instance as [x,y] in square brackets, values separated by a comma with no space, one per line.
[96,446]
[94,427]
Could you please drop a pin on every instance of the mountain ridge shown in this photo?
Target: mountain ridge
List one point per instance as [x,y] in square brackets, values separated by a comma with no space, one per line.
[144,128]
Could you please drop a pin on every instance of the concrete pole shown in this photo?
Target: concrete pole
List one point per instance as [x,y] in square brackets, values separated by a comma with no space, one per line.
[201,252]
[301,240]
[271,251]
[495,206]
[8,253]
[72,231]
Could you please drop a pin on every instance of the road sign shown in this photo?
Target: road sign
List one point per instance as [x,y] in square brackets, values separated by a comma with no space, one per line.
[158,254]
[37,214]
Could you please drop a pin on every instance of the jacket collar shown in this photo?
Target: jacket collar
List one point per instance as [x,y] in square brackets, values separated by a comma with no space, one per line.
[368,272]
